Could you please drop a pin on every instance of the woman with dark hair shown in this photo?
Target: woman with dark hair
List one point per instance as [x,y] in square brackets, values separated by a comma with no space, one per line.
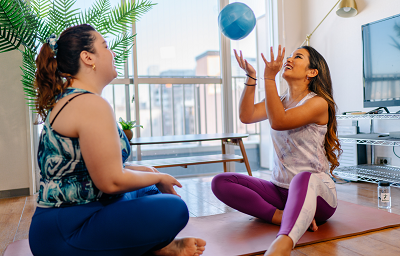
[300,193]
[90,202]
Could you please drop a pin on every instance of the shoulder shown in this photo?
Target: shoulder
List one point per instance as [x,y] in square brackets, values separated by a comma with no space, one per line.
[87,103]
[85,107]
[83,112]
[316,101]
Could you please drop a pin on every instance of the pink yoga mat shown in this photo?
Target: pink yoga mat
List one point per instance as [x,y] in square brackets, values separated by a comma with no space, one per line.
[235,233]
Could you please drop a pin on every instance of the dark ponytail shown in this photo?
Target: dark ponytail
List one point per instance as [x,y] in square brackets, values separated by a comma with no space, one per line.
[55,73]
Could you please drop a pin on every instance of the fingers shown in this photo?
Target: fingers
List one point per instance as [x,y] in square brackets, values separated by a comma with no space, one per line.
[177,183]
[236,56]
[279,58]
[283,53]
[175,193]
[272,54]
[264,59]
[279,53]
[239,59]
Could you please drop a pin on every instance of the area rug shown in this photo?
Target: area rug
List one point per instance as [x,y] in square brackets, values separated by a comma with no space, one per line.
[235,233]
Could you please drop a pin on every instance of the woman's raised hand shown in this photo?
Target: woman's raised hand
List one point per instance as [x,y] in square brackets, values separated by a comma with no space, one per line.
[243,64]
[274,66]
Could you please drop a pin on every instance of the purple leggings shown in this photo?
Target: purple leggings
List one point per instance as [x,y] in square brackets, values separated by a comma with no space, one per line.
[307,198]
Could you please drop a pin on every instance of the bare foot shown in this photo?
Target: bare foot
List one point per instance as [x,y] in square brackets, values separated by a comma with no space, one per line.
[313,226]
[187,246]
[277,218]
[281,246]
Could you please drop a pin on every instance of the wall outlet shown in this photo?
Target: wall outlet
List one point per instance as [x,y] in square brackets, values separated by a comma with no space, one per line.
[383,160]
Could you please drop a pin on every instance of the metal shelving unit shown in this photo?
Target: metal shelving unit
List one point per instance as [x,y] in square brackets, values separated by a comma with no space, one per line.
[390,116]
[370,139]
[370,172]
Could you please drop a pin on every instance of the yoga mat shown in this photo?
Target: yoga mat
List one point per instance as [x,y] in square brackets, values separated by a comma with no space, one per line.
[235,233]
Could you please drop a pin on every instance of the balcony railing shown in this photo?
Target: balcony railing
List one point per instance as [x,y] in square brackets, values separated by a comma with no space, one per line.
[175,109]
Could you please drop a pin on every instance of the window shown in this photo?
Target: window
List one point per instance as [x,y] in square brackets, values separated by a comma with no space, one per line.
[172,82]
[179,38]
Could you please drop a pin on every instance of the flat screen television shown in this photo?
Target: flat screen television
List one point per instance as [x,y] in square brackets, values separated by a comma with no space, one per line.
[381,62]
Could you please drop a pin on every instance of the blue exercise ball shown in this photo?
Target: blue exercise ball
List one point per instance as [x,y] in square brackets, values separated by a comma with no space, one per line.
[236,21]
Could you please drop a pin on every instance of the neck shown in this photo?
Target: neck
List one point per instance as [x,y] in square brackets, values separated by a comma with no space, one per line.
[296,89]
[88,81]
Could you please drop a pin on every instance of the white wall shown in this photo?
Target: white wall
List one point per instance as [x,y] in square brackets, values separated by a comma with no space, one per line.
[15,154]
[339,41]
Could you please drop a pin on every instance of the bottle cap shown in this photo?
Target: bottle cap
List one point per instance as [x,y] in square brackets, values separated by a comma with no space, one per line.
[384,183]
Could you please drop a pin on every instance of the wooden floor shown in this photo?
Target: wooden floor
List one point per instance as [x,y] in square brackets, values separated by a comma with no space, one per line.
[15,215]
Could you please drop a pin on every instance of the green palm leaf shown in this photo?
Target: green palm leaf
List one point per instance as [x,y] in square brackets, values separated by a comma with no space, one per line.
[28,76]
[27,33]
[11,20]
[8,40]
[95,15]
[10,13]
[18,25]
[123,14]
[122,46]
[61,16]
[41,7]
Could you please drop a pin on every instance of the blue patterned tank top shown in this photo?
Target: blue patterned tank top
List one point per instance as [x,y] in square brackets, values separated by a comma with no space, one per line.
[64,178]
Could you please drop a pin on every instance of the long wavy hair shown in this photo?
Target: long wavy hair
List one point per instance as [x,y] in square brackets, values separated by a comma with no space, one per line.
[322,86]
[54,73]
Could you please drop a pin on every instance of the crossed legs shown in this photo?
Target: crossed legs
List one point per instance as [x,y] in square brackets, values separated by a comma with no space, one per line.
[307,198]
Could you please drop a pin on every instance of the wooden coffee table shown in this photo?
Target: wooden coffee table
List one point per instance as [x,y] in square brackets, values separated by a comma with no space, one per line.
[225,138]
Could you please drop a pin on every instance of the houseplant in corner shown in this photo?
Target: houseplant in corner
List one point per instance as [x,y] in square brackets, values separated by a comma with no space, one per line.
[127,127]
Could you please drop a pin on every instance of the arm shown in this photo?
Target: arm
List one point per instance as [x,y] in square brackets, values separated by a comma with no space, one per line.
[315,110]
[101,150]
[248,111]
[142,168]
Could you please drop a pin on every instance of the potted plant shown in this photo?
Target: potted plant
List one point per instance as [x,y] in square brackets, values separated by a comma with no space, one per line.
[127,127]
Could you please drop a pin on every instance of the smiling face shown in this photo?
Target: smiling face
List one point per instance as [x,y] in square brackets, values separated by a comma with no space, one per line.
[104,58]
[297,66]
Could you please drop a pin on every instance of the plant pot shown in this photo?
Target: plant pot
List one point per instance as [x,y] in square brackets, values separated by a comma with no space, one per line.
[129,134]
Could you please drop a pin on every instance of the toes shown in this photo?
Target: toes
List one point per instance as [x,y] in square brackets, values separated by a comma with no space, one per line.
[200,242]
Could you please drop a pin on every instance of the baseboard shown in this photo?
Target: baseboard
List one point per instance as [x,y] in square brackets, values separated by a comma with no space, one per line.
[14,193]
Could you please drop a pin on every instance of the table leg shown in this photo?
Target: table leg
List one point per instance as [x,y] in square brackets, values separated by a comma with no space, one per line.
[223,152]
[246,160]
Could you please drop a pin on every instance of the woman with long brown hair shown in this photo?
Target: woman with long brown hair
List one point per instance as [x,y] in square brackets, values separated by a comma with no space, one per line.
[300,193]
[90,202]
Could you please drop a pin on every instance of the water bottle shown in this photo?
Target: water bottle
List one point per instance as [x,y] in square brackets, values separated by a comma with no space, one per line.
[384,199]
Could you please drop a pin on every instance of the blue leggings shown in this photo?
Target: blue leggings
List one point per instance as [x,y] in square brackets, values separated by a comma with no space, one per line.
[138,222]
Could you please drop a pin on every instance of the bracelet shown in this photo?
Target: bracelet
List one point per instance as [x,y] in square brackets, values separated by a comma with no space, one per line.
[250,84]
[269,79]
[251,77]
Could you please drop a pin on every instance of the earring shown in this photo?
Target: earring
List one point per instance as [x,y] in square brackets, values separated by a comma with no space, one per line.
[94,67]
